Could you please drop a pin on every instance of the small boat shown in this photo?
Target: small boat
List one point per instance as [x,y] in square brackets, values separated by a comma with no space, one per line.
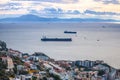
[56,39]
[70,32]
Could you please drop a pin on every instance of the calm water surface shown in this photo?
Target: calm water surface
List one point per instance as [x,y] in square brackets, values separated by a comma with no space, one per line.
[92,41]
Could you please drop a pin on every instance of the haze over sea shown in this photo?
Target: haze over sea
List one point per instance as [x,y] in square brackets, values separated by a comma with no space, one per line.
[92,41]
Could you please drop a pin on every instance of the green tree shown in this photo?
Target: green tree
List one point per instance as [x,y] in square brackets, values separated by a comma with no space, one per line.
[56,77]
[101,72]
[34,78]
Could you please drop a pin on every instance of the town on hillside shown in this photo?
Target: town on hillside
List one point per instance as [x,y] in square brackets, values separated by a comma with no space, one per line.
[16,65]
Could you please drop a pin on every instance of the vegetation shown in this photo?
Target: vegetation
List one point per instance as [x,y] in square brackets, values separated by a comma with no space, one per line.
[44,78]
[101,72]
[3,46]
[2,64]
[3,53]
[4,78]
[23,72]
[10,74]
[2,72]
[106,65]
[15,68]
[34,78]
[56,77]
[4,75]
[17,60]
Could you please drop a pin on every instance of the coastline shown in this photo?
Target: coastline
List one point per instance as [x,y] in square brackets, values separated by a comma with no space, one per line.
[63,69]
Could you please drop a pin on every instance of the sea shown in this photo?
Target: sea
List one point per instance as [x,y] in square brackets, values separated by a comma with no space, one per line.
[93,41]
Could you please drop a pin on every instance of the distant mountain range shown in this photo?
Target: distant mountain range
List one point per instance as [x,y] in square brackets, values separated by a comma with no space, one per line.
[34,18]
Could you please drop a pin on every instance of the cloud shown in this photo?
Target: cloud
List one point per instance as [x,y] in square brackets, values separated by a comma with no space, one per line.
[63,8]
[4,1]
[52,1]
[101,13]
[109,1]
[10,6]
[54,12]
[60,13]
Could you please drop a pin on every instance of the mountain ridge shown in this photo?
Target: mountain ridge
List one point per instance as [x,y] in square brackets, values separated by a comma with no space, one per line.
[35,18]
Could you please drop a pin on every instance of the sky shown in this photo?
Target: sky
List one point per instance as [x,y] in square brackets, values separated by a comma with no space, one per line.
[103,9]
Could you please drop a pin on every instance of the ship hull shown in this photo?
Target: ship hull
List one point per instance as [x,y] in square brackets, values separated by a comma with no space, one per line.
[56,39]
[70,32]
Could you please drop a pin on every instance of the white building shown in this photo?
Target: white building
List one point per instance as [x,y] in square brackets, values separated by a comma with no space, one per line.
[10,63]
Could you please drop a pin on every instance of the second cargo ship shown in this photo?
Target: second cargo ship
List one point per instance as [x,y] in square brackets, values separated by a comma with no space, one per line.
[70,32]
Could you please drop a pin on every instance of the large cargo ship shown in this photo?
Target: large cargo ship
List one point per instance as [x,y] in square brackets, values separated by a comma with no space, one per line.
[56,39]
[70,32]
